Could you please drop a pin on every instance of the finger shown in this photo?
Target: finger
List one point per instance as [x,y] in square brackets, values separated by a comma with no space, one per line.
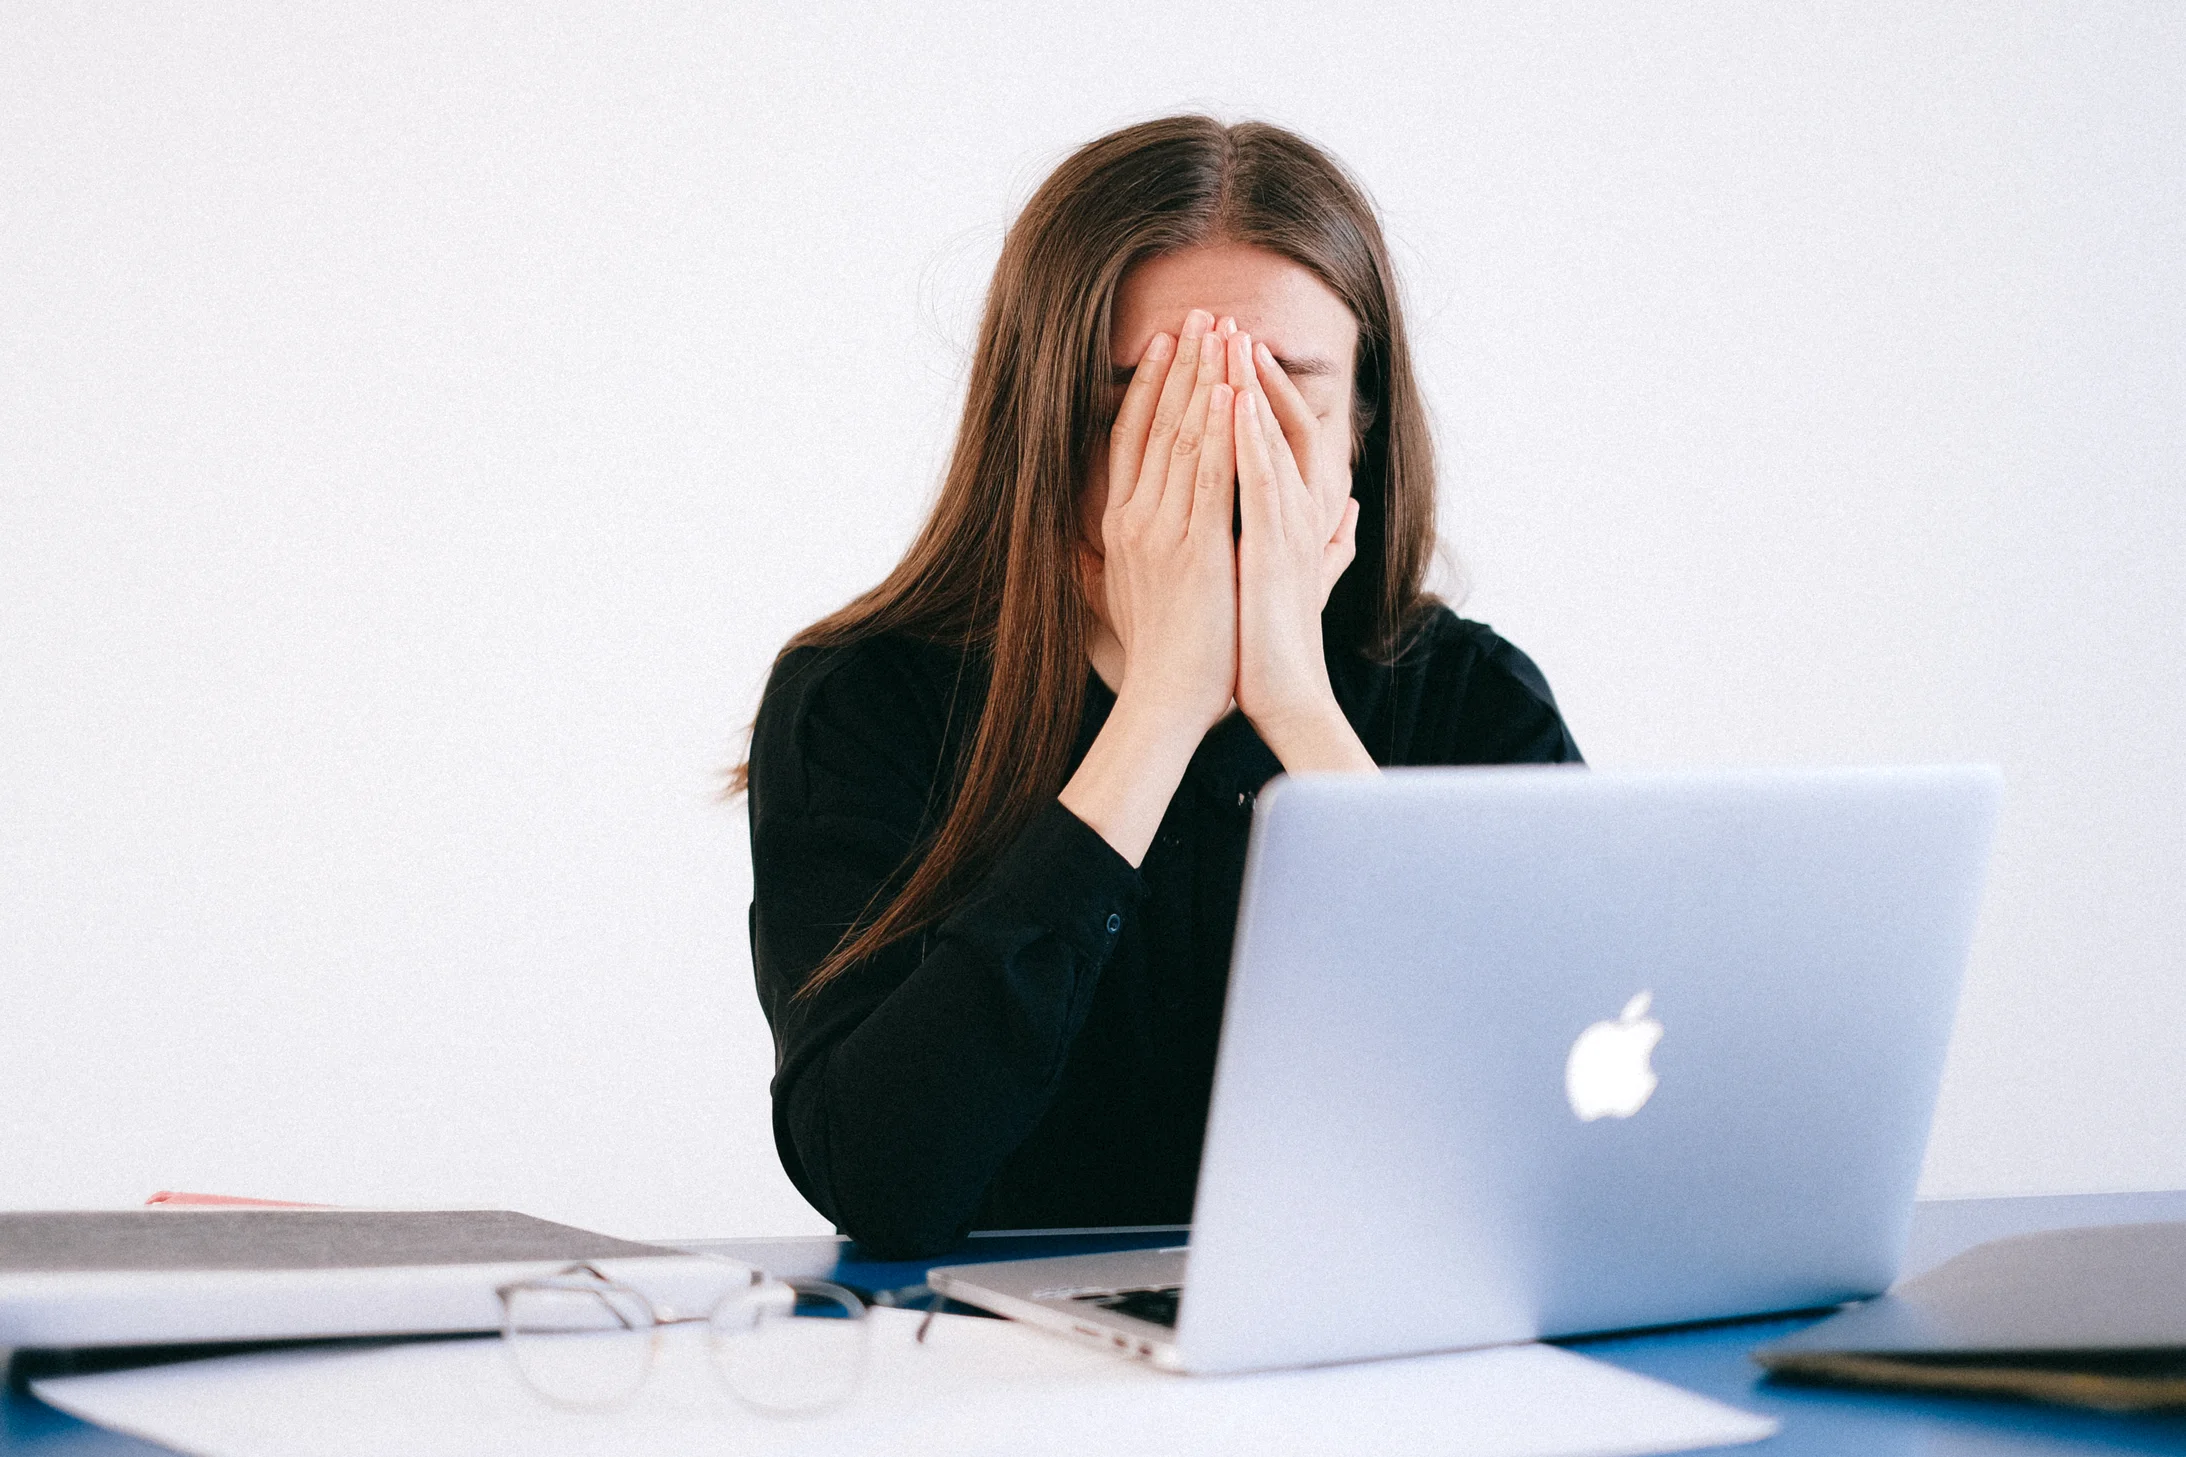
[1217,478]
[1291,491]
[1241,373]
[1291,409]
[1256,483]
[1292,413]
[1176,490]
[1134,417]
[1175,399]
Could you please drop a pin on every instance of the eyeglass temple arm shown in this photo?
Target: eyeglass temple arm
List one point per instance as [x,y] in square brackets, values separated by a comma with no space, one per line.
[934,1303]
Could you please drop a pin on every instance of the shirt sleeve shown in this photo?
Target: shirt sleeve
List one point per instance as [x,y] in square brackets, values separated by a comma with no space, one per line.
[902,1085]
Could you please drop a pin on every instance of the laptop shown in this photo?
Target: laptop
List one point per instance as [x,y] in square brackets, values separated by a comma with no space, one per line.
[1515,1053]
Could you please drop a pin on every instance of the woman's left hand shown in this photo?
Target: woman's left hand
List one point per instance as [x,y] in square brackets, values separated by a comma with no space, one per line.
[1299,533]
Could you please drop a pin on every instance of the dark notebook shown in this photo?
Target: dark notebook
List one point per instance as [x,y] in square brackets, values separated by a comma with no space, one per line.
[2089,1317]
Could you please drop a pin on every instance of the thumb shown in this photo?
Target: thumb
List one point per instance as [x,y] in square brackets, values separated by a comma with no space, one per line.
[1342,549]
[1090,568]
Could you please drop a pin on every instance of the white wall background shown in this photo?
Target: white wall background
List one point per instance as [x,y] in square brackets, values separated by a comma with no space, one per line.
[419,424]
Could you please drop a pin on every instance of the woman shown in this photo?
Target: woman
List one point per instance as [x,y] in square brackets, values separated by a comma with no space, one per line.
[999,803]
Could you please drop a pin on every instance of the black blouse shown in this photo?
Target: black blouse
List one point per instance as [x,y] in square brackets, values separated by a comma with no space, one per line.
[1042,1058]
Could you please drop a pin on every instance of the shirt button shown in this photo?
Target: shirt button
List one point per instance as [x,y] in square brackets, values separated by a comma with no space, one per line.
[1243,800]
[1115,923]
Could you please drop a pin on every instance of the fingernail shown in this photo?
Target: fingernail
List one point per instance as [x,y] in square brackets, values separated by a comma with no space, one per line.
[1198,321]
[1246,341]
[1265,355]
[1159,346]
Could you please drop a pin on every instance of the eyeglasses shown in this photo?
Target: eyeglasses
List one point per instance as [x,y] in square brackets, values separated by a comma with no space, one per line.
[783,1347]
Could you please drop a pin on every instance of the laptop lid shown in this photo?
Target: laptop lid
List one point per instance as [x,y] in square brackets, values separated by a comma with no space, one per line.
[1521,1052]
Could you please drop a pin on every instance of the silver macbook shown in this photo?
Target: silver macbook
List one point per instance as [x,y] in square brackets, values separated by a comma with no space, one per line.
[1523,1052]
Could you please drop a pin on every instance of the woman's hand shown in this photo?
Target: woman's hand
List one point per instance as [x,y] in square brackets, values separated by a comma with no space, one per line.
[1167,576]
[1299,533]
[1168,572]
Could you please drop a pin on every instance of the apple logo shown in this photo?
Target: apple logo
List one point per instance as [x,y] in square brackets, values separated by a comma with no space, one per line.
[1607,1074]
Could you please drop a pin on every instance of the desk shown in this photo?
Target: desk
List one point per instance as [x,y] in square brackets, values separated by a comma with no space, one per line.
[1711,1360]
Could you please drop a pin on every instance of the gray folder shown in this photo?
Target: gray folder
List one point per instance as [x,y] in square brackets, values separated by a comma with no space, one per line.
[290,1239]
[2089,1317]
[164,1276]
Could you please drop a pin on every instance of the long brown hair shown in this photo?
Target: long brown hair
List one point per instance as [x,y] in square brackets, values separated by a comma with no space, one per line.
[994,570]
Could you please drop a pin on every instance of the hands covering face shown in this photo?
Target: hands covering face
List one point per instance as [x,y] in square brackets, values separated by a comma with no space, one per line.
[1210,426]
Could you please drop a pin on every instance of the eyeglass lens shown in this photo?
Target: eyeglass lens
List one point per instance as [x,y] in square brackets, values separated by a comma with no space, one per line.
[580,1346]
[790,1346]
[783,1347]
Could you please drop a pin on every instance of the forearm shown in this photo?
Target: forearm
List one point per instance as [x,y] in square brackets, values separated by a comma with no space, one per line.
[1131,772]
[908,1081]
[912,1114]
[901,1126]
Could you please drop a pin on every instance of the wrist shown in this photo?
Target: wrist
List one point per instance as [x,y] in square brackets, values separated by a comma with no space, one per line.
[1314,738]
[1156,723]
[1307,711]
[1123,786]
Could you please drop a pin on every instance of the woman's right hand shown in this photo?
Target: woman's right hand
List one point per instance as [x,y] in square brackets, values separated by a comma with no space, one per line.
[1167,578]
[1168,570]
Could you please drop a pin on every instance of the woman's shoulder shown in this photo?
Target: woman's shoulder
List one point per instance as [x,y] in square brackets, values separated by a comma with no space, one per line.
[876,673]
[881,707]
[1473,695]
[1448,646]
